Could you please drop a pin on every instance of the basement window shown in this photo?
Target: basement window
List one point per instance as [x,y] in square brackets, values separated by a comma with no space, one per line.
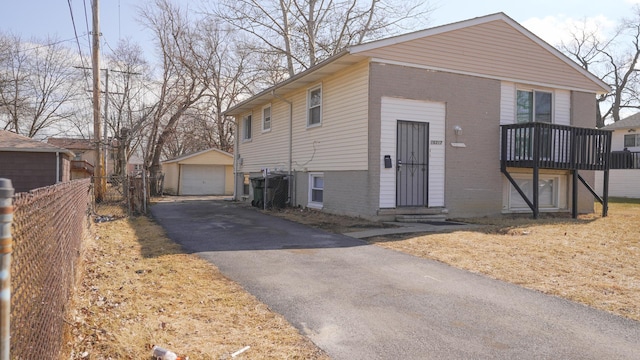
[316,190]
[548,192]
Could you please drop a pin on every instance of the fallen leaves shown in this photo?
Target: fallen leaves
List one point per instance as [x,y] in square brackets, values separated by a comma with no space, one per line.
[139,288]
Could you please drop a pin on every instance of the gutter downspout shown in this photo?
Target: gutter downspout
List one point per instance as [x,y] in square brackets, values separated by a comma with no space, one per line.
[57,167]
[236,148]
[289,172]
[179,177]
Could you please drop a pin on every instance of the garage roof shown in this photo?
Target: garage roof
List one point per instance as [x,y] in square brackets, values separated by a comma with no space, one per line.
[187,156]
[10,141]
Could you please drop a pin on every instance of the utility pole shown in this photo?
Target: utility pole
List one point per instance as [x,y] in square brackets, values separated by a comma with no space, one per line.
[99,181]
[106,112]
[106,118]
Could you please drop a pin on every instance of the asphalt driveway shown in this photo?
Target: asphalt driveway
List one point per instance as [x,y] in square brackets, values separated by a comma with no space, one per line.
[359,301]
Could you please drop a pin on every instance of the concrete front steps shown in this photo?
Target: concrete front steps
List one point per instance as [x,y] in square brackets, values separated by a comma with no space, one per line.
[414,215]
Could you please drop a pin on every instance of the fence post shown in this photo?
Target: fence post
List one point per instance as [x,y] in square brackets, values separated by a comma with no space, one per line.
[6,218]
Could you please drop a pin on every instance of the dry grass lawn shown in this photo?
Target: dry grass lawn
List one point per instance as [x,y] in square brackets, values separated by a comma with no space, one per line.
[141,289]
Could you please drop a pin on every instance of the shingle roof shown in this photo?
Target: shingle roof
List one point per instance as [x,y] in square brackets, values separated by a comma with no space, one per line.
[186,156]
[629,122]
[10,141]
[71,143]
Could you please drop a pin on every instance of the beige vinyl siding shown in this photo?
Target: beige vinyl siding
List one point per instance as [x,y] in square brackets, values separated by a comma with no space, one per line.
[339,143]
[267,149]
[493,49]
[562,107]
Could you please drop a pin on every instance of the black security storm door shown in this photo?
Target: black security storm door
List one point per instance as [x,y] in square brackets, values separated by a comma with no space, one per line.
[412,165]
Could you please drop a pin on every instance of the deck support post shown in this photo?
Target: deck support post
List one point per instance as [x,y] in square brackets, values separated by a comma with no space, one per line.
[574,195]
[536,171]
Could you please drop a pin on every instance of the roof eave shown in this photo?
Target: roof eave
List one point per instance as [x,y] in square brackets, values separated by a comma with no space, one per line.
[37,150]
[187,156]
[311,75]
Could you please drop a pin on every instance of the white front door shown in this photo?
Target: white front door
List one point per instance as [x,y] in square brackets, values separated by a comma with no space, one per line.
[393,112]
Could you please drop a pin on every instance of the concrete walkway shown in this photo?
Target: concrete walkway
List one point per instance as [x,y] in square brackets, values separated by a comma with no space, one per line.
[409,228]
[359,301]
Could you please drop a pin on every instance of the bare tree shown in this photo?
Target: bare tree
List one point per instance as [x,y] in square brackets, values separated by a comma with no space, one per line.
[127,102]
[200,72]
[39,85]
[614,60]
[297,34]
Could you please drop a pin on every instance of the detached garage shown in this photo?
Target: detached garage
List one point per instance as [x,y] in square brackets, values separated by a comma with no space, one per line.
[207,172]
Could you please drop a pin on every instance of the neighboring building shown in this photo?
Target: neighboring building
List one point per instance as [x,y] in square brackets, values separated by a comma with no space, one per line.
[135,164]
[85,160]
[412,125]
[624,179]
[32,164]
[207,172]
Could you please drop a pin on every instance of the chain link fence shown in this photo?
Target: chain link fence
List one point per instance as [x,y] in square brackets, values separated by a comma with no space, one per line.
[122,196]
[48,230]
[112,202]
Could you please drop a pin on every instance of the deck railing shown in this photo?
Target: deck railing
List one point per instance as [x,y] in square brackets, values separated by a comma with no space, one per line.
[625,160]
[82,165]
[550,146]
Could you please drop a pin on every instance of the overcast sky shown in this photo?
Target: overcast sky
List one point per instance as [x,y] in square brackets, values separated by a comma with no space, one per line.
[546,18]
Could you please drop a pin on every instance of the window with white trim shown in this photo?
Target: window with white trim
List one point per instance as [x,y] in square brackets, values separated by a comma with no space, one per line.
[631,140]
[533,106]
[266,118]
[246,128]
[548,192]
[314,106]
[316,190]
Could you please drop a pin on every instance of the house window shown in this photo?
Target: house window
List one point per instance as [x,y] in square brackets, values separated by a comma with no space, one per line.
[266,118]
[314,105]
[316,190]
[246,126]
[632,140]
[533,106]
[548,192]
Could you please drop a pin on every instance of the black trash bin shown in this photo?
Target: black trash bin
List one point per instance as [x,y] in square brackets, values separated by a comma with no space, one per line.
[275,193]
[258,192]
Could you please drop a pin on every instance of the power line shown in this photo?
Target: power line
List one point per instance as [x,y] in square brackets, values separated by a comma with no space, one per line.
[40,46]
[86,22]
[73,22]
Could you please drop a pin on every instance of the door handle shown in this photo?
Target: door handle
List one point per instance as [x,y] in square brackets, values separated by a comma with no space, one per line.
[399,164]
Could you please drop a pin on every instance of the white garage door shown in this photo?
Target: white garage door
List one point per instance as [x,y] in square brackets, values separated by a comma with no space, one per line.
[202,180]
